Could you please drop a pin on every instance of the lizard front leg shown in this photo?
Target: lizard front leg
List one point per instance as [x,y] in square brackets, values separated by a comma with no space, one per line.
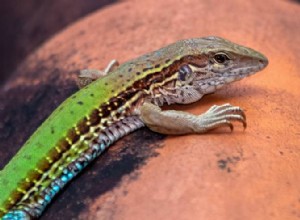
[87,76]
[178,122]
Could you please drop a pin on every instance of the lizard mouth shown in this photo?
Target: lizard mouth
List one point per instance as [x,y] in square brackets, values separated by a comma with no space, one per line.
[211,84]
[234,74]
[249,70]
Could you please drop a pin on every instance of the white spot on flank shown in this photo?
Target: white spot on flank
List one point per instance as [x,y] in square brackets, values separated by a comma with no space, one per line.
[204,86]
[229,79]
[219,86]
[210,89]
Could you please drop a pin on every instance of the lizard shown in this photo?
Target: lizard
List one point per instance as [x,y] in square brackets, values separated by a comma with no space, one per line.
[112,103]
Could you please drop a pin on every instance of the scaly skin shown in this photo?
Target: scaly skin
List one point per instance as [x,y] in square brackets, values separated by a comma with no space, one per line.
[85,124]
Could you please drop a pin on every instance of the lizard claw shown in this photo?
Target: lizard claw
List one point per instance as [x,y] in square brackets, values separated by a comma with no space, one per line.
[223,115]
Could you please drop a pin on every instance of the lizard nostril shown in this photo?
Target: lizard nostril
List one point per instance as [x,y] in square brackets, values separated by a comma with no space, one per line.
[262,61]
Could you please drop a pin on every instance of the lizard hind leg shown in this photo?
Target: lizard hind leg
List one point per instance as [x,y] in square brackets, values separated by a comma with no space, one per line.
[178,122]
[87,76]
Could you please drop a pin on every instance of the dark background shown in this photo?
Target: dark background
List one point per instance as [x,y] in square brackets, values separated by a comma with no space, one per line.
[25,25]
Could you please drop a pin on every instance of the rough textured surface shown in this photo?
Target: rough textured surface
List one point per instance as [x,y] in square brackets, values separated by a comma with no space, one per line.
[221,175]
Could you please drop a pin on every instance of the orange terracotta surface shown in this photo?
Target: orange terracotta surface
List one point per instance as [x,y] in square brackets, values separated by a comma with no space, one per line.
[251,174]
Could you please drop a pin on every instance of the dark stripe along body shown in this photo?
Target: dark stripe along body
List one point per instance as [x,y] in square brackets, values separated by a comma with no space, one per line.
[73,129]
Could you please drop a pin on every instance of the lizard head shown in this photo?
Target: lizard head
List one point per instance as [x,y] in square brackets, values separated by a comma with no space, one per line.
[205,65]
[214,62]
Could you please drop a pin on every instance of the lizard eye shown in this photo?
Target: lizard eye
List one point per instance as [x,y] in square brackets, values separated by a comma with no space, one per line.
[221,58]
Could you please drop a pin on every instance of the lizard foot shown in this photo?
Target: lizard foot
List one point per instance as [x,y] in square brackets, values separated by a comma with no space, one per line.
[87,76]
[223,115]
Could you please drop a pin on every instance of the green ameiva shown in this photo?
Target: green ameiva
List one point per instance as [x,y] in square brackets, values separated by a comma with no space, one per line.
[123,99]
